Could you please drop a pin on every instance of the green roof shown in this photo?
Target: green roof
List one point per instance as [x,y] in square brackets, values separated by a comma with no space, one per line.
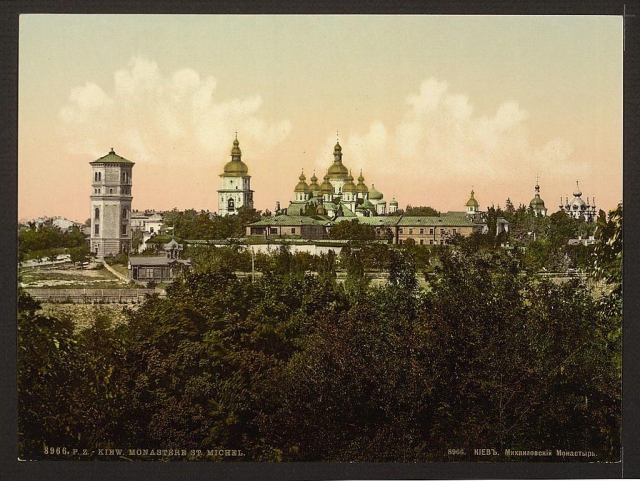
[443,220]
[111,158]
[373,221]
[290,220]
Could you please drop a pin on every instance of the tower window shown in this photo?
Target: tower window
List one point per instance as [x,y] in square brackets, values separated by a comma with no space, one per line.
[230,205]
[96,229]
[111,191]
[97,213]
[124,229]
[124,213]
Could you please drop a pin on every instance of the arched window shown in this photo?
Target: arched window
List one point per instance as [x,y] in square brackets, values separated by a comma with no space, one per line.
[124,213]
[231,205]
[97,214]
[99,176]
[111,191]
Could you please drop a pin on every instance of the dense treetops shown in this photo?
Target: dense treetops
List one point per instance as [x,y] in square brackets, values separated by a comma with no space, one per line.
[295,366]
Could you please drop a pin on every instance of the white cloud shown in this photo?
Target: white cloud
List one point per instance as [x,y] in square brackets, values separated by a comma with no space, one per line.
[149,113]
[440,138]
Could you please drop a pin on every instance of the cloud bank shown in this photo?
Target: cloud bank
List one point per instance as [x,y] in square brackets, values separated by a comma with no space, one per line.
[441,141]
[156,117]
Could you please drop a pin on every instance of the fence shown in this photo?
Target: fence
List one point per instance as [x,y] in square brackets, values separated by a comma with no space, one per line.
[90,296]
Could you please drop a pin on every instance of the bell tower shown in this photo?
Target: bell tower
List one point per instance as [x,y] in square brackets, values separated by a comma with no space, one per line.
[111,205]
[236,184]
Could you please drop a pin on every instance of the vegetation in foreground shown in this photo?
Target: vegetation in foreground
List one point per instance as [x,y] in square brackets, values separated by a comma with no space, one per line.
[296,367]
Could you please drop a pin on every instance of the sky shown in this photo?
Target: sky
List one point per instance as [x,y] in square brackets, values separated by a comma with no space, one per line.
[429,107]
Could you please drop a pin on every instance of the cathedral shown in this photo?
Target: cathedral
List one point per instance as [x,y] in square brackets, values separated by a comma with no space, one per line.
[578,207]
[338,195]
[236,184]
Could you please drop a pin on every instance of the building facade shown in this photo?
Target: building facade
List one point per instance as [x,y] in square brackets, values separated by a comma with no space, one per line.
[111,205]
[236,184]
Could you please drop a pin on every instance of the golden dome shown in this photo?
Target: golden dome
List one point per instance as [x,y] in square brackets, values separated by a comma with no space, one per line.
[349,186]
[235,150]
[326,187]
[361,187]
[314,187]
[472,202]
[337,150]
[302,185]
[338,170]
[236,167]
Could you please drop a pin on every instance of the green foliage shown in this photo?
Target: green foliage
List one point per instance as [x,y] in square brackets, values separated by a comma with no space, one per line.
[47,237]
[352,230]
[294,366]
[193,225]
[428,211]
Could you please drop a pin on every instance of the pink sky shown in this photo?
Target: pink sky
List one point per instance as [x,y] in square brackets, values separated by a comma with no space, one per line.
[428,106]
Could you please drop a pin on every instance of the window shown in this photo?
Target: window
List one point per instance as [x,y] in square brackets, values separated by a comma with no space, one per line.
[430,231]
[231,206]
[441,231]
[97,213]
[293,230]
[124,213]
[151,230]
[273,230]
[421,231]
[96,229]
[123,231]
[455,231]
[431,242]
[410,231]
[111,191]
[400,241]
[400,231]
[421,241]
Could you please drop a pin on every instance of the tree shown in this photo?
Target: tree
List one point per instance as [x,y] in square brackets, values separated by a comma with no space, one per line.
[426,211]
[80,255]
[352,230]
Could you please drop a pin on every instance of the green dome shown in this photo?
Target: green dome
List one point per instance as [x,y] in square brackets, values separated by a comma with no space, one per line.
[472,202]
[374,194]
[368,205]
[337,150]
[393,202]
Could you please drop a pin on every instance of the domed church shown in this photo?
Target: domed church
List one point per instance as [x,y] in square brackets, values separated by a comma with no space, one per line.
[537,204]
[236,184]
[338,195]
[578,207]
